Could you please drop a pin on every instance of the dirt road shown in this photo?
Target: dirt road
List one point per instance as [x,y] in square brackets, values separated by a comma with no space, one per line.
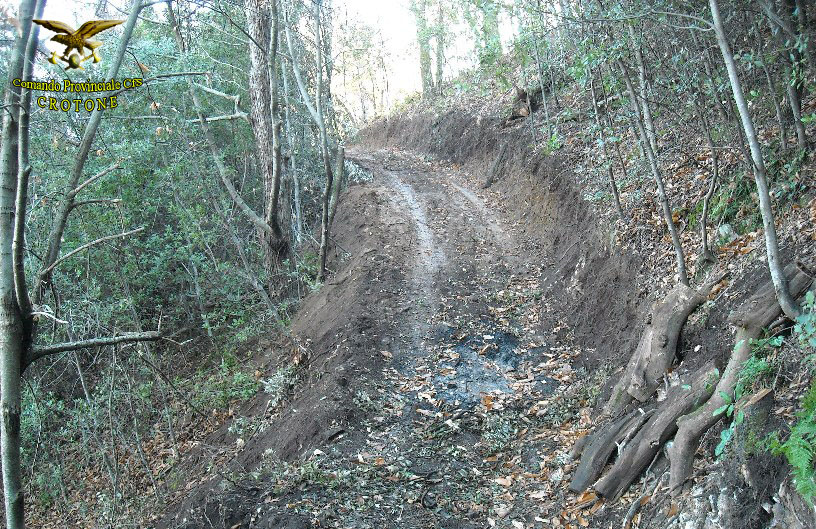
[430,401]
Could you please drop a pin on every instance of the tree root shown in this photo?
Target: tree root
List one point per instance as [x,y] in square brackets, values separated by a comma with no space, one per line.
[756,314]
[602,445]
[646,443]
[656,350]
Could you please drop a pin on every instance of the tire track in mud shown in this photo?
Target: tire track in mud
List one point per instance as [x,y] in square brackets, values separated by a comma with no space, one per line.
[430,258]
[461,252]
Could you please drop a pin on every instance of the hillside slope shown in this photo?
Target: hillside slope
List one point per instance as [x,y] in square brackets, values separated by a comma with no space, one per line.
[479,310]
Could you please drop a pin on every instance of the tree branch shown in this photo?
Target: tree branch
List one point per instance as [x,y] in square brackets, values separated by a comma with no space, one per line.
[96,201]
[85,246]
[157,77]
[95,177]
[40,352]
[239,115]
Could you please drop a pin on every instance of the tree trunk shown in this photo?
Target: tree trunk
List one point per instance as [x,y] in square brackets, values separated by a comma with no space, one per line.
[339,173]
[644,91]
[707,254]
[607,159]
[652,157]
[419,7]
[67,203]
[783,133]
[294,171]
[789,306]
[541,85]
[324,143]
[440,49]
[11,324]
[264,117]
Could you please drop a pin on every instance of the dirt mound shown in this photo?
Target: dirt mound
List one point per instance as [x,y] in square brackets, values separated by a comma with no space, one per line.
[335,349]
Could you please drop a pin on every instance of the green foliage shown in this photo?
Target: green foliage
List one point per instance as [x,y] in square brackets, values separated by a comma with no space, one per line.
[735,203]
[786,167]
[279,384]
[553,143]
[805,326]
[227,384]
[800,446]
[751,372]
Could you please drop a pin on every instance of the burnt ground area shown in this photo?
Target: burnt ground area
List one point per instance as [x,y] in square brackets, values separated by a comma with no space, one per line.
[426,393]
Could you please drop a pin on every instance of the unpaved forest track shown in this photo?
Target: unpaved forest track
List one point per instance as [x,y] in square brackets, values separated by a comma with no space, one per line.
[460,246]
[443,368]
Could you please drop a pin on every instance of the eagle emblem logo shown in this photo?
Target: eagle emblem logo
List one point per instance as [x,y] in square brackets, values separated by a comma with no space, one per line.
[76,41]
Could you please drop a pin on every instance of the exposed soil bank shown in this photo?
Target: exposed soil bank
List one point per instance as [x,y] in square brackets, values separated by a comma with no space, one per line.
[599,289]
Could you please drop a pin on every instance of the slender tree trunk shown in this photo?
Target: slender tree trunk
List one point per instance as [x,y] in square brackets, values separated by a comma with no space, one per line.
[707,254]
[788,304]
[644,92]
[263,117]
[293,159]
[781,27]
[324,231]
[339,173]
[23,173]
[419,8]
[795,100]
[67,203]
[541,85]
[316,112]
[440,49]
[607,159]
[783,133]
[652,158]
[11,324]
[709,70]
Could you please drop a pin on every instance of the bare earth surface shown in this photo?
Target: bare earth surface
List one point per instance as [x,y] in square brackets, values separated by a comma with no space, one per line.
[431,399]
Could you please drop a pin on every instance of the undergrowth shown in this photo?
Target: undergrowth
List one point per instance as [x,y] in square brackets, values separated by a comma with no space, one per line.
[800,446]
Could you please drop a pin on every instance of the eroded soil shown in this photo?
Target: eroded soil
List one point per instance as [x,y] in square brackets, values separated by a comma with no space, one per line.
[432,399]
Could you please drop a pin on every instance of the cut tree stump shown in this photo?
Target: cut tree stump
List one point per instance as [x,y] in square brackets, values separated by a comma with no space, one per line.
[657,348]
[640,452]
[602,444]
[760,311]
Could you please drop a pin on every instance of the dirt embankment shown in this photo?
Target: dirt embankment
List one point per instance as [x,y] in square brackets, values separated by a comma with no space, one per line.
[600,290]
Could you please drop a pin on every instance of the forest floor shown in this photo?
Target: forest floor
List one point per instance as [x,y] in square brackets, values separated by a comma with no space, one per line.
[457,414]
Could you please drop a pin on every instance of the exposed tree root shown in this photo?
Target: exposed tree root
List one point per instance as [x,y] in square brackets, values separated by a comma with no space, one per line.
[660,427]
[755,315]
[656,350]
[602,444]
